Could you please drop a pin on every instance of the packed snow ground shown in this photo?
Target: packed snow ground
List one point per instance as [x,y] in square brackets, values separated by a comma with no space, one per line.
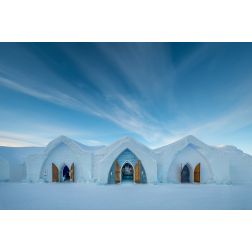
[124,196]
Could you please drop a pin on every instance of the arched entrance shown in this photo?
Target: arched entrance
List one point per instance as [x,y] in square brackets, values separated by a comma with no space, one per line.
[127,167]
[185,174]
[127,172]
[66,173]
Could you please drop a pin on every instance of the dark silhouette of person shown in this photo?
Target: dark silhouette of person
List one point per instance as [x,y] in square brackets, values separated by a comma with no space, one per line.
[66,173]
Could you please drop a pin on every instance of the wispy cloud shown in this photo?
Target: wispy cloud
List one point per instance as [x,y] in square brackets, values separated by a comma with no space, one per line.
[237,118]
[138,95]
[127,116]
[10,138]
[109,103]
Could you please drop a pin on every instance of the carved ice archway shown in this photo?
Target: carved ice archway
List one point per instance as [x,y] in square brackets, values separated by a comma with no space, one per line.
[126,156]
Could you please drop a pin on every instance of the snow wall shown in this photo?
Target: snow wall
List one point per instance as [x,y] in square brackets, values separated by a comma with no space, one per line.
[61,152]
[191,156]
[214,165]
[218,164]
[4,170]
[63,155]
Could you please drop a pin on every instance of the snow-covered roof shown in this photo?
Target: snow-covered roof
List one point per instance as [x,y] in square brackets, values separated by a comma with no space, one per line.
[182,143]
[63,140]
[126,141]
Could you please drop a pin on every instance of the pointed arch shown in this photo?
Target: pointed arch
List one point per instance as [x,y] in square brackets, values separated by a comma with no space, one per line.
[127,172]
[190,155]
[111,153]
[186,173]
[197,173]
[127,157]
[55,173]
[65,151]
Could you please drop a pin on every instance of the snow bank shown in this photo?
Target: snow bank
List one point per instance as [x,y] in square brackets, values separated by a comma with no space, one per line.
[126,196]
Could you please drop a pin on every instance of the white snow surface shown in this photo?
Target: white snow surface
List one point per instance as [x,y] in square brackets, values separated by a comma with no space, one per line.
[124,196]
[221,165]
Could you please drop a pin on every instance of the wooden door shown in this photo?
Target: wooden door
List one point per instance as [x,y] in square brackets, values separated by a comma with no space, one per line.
[72,173]
[197,173]
[137,172]
[117,172]
[55,173]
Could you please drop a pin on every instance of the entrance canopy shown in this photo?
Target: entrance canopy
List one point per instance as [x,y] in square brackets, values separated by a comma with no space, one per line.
[127,167]
[129,151]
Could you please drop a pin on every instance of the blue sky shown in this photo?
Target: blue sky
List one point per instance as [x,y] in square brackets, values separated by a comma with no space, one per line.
[98,92]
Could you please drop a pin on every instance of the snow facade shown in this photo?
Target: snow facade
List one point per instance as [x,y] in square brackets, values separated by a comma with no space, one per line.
[126,150]
[4,170]
[187,160]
